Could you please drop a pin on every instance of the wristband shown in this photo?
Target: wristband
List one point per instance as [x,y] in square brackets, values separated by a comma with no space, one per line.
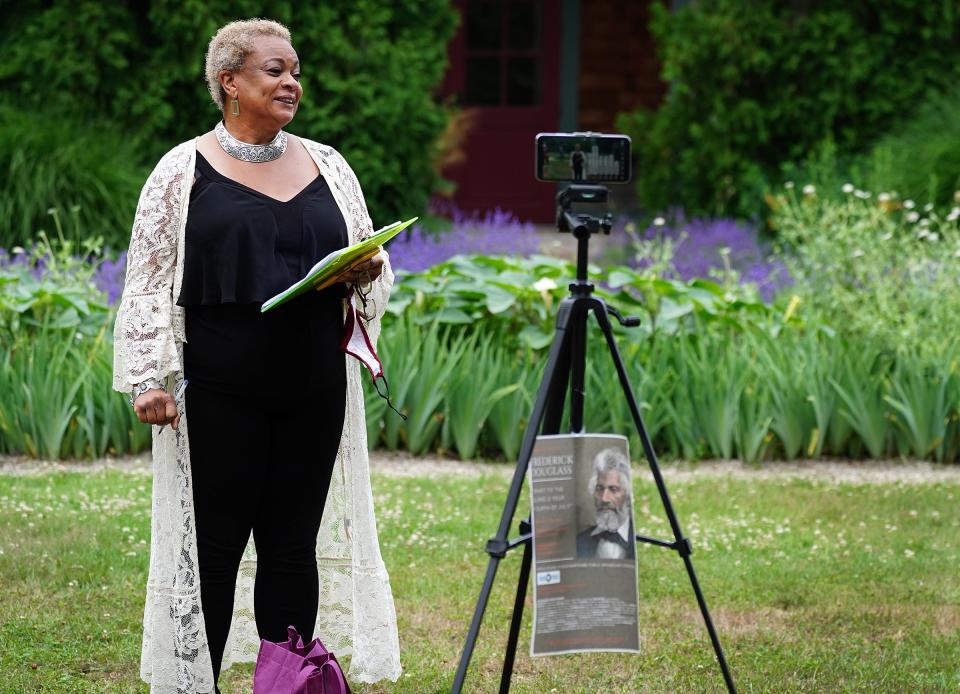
[142,387]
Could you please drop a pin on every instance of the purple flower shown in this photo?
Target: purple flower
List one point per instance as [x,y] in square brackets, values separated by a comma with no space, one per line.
[107,275]
[770,277]
[23,260]
[110,275]
[495,233]
[699,246]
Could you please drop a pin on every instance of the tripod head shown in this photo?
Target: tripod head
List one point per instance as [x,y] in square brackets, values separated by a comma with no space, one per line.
[582,224]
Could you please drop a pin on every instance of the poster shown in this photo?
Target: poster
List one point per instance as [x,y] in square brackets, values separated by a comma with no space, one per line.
[584,553]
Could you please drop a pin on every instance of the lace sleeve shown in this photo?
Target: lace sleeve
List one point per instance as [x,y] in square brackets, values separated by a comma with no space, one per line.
[144,343]
[380,291]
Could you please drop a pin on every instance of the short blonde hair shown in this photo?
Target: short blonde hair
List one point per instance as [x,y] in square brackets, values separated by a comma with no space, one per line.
[231,45]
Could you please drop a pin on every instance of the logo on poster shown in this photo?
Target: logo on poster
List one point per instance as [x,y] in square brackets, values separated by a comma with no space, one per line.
[547,578]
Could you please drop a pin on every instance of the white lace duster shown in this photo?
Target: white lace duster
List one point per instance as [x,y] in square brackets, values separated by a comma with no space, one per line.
[356,614]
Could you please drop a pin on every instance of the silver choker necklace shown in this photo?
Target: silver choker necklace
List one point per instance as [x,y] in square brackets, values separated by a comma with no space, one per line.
[247,152]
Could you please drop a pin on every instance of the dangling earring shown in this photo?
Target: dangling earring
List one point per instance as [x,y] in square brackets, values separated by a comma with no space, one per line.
[235,106]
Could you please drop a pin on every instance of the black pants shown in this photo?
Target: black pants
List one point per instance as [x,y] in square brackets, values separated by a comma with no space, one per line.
[260,470]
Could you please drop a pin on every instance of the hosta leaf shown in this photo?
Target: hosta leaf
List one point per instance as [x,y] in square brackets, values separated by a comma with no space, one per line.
[452,315]
[66,319]
[618,278]
[415,282]
[671,310]
[499,300]
[398,304]
[666,287]
[705,299]
[707,286]
[535,337]
[485,263]
[466,288]
[515,279]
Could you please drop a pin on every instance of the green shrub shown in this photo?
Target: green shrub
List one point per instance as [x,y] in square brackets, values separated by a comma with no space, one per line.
[56,399]
[51,287]
[90,173]
[515,299]
[754,85]
[919,160]
[369,69]
[711,392]
[56,357]
[716,378]
[872,265]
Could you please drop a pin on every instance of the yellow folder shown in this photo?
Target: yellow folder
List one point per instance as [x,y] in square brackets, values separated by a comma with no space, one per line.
[332,267]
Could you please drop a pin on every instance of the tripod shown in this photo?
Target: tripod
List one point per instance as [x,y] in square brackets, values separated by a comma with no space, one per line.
[566,365]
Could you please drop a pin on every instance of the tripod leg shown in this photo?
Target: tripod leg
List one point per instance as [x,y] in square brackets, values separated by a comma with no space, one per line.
[681,543]
[517,617]
[714,639]
[578,364]
[474,631]
[556,393]
[497,547]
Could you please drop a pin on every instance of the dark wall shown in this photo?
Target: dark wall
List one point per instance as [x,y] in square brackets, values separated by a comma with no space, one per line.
[618,64]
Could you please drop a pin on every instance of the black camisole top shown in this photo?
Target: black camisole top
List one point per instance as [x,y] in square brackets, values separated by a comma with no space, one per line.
[241,248]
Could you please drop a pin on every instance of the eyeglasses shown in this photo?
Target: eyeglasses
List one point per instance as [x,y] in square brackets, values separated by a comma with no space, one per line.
[368,310]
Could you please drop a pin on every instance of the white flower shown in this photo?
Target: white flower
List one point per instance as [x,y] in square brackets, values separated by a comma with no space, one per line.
[909,204]
[847,188]
[17,250]
[928,207]
[862,194]
[887,236]
[954,214]
[544,284]
[659,221]
[908,553]
[858,253]
[809,189]
[934,236]
[924,222]
[788,185]
[884,197]
[912,216]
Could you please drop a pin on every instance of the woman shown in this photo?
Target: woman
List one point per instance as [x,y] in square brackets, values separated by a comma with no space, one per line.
[263,469]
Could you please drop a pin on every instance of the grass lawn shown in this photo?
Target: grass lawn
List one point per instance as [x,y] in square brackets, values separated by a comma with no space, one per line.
[815,586]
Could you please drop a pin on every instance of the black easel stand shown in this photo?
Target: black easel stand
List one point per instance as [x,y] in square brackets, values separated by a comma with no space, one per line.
[566,364]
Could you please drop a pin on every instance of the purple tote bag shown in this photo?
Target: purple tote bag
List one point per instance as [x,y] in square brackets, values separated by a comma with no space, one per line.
[290,667]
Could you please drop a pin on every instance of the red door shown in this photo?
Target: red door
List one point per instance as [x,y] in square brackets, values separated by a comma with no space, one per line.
[504,73]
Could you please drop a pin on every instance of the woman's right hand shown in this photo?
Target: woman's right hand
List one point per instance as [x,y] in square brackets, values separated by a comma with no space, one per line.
[157,407]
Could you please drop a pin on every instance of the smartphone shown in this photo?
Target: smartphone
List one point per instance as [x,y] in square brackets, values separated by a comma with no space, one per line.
[583,157]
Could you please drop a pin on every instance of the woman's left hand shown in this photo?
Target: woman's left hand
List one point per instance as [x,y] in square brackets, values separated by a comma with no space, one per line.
[366,271]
